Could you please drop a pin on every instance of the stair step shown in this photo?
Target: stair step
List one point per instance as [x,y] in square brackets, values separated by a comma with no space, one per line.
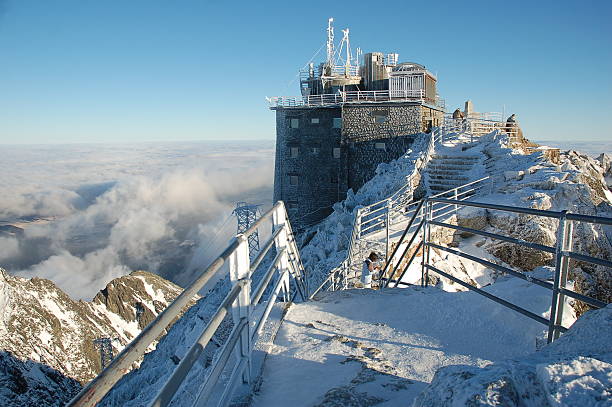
[456,157]
[452,162]
[446,177]
[447,173]
[451,167]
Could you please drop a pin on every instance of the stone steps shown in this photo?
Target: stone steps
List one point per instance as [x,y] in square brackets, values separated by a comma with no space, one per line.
[455,157]
[442,178]
[452,162]
[463,168]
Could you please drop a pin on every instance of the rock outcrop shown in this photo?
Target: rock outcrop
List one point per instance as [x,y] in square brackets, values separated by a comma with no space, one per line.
[575,370]
[47,339]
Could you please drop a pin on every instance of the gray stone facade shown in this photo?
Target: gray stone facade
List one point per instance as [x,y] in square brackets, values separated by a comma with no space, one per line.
[318,161]
[371,122]
[306,171]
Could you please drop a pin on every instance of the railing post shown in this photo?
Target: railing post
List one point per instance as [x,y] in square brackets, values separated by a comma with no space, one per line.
[426,237]
[387,230]
[239,271]
[564,243]
[282,242]
[456,199]
[556,309]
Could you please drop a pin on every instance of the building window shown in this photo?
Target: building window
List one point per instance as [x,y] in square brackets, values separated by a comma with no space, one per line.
[380,146]
[294,123]
[295,151]
[293,179]
[314,120]
[292,205]
[336,152]
[380,115]
[333,178]
[315,150]
[337,122]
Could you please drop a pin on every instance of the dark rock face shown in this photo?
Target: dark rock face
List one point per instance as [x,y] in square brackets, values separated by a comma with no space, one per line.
[28,383]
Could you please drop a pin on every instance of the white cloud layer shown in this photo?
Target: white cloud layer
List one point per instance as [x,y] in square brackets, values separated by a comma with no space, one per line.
[125,207]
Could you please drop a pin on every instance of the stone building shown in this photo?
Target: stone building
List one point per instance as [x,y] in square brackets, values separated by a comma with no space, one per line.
[350,118]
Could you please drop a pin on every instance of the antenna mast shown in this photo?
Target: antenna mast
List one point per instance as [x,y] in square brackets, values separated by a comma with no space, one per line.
[330,42]
[347,64]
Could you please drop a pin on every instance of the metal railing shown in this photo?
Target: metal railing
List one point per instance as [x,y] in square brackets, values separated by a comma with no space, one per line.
[387,212]
[329,99]
[562,252]
[249,316]
[481,125]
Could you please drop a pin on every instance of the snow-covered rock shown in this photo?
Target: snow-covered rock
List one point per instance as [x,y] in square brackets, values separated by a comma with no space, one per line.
[575,370]
[573,182]
[46,338]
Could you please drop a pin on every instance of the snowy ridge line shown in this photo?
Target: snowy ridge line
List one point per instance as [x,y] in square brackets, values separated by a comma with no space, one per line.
[248,317]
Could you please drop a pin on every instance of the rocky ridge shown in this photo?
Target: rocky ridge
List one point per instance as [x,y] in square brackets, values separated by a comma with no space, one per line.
[46,338]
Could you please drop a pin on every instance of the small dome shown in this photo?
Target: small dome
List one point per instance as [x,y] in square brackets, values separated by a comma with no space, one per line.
[408,66]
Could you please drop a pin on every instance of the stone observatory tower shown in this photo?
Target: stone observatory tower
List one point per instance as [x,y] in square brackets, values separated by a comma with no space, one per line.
[356,111]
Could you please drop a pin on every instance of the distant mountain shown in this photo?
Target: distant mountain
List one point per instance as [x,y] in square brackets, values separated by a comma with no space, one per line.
[47,349]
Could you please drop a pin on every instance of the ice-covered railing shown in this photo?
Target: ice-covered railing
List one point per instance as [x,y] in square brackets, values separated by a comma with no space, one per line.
[330,99]
[419,241]
[380,216]
[481,124]
[364,241]
[248,312]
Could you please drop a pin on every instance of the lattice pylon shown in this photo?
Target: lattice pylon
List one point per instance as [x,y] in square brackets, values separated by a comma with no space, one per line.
[247,215]
[106,350]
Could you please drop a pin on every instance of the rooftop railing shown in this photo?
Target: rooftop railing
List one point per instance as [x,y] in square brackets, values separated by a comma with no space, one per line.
[373,96]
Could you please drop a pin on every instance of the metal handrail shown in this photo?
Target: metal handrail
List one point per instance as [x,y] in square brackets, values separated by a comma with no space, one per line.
[401,240]
[286,263]
[562,253]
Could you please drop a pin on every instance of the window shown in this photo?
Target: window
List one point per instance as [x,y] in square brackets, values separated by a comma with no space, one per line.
[292,205]
[293,179]
[315,150]
[294,123]
[333,179]
[380,115]
[295,151]
[337,122]
[380,146]
[336,152]
[314,120]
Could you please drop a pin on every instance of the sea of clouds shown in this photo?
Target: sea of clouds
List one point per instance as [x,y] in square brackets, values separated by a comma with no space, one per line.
[111,209]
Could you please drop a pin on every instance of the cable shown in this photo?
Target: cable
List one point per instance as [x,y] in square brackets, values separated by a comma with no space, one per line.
[304,67]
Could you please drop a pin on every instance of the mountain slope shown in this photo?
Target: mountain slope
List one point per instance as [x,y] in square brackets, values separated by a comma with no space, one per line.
[46,338]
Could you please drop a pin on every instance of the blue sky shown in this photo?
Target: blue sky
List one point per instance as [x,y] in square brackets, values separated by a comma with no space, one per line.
[115,71]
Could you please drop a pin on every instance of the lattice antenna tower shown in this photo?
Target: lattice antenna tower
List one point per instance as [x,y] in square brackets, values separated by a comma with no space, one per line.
[105,346]
[247,215]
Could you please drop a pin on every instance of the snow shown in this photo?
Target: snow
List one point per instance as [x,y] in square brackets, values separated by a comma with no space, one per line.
[156,295]
[580,382]
[399,338]
[365,347]
[127,329]
[574,370]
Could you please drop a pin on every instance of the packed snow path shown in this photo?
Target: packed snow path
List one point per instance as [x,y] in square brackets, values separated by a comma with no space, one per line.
[365,347]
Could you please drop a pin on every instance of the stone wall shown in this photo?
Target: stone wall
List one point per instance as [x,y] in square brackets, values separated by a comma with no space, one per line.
[370,122]
[363,157]
[312,163]
[307,175]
